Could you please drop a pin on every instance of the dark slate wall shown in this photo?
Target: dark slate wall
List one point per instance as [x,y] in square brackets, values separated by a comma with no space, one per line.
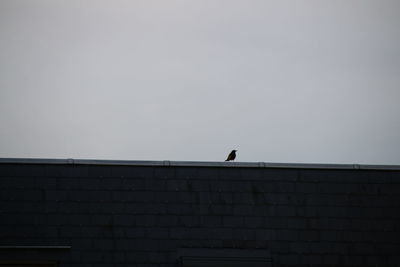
[139,216]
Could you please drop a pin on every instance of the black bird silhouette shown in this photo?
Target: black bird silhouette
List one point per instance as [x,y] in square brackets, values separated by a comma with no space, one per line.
[231,155]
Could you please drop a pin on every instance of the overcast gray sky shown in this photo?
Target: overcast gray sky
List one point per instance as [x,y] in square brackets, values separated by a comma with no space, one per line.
[306,81]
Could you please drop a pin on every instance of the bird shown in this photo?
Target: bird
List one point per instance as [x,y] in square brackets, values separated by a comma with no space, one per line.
[231,155]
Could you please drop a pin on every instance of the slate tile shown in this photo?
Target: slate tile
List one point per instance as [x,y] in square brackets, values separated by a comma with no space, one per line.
[285,211]
[297,223]
[207,173]
[22,195]
[254,222]
[217,209]
[306,187]
[125,219]
[179,233]
[227,198]
[205,197]
[18,183]
[188,173]
[133,184]
[312,259]
[330,259]
[81,243]
[188,197]
[180,209]
[82,183]
[242,210]
[211,221]
[189,221]
[272,174]
[155,185]
[138,172]
[288,259]
[229,174]
[251,173]
[158,233]
[176,185]
[265,234]
[48,183]
[243,198]
[137,232]
[71,232]
[300,247]
[145,196]
[286,235]
[98,171]
[103,244]
[113,183]
[167,220]
[240,186]
[164,172]
[167,197]
[91,257]
[221,233]
[233,221]
[201,185]
[22,170]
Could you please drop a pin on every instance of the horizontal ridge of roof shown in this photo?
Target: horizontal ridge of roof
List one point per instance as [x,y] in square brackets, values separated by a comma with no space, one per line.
[224,164]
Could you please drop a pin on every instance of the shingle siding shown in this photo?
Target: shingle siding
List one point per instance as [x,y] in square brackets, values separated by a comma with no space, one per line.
[115,215]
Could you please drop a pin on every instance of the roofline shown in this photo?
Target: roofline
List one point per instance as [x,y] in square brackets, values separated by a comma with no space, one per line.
[224,164]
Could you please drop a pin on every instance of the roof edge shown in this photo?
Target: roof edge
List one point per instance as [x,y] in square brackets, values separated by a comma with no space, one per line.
[224,164]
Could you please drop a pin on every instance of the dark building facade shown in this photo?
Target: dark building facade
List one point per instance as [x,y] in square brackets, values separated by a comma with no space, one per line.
[162,213]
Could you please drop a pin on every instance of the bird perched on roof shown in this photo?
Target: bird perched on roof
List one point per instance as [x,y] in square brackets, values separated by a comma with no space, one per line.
[231,155]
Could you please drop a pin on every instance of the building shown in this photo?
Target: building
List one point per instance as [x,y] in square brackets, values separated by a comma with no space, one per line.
[197,214]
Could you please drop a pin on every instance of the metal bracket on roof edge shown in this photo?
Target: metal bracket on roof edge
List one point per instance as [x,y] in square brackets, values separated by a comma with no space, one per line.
[262,164]
[356,166]
[70,161]
[167,163]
